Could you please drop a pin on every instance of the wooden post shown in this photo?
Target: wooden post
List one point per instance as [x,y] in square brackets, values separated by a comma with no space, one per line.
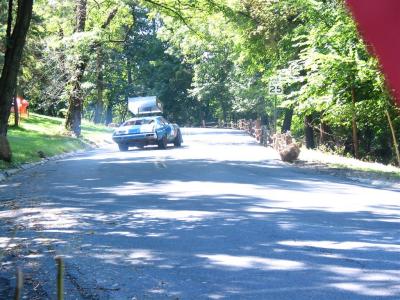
[19,285]
[60,275]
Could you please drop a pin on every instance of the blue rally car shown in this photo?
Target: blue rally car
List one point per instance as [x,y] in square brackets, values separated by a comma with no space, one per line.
[143,131]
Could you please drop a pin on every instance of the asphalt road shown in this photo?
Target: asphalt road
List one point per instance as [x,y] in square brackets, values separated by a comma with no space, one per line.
[219,218]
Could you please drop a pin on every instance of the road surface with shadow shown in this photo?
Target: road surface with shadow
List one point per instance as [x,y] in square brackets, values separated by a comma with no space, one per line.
[220,218]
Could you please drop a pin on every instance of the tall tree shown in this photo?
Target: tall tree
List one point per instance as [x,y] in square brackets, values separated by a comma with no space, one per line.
[15,41]
[75,102]
[74,114]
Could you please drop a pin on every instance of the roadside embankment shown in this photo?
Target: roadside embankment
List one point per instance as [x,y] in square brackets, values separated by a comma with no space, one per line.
[41,138]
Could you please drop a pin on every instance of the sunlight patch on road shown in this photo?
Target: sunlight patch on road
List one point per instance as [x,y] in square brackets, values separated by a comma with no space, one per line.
[365,275]
[45,217]
[179,189]
[6,242]
[60,231]
[367,282]
[363,289]
[160,164]
[252,262]
[287,225]
[179,215]
[48,241]
[281,196]
[134,257]
[367,232]
[346,245]
[122,233]
[258,209]
[388,220]
[91,179]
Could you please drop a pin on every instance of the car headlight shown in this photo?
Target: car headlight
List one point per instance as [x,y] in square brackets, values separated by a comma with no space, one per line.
[116,132]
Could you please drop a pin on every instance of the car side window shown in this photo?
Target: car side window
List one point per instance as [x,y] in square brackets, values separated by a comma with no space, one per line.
[164,121]
[160,122]
[129,123]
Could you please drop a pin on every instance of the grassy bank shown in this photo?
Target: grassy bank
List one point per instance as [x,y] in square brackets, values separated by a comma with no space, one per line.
[42,135]
[357,168]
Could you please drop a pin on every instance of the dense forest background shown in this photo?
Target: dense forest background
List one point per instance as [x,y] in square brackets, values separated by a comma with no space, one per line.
[214,61]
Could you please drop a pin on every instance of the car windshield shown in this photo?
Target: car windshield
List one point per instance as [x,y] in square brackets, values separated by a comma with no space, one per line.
[138,122]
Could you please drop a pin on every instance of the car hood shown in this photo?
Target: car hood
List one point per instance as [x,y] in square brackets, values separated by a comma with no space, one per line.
[134,129]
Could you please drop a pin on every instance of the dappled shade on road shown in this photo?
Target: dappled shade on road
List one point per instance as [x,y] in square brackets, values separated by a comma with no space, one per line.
[190,224]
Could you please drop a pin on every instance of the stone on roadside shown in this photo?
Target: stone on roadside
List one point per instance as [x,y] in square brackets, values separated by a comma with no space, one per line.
[41,154]
[290,153]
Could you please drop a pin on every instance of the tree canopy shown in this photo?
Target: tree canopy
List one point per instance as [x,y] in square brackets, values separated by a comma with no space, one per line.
[212,60]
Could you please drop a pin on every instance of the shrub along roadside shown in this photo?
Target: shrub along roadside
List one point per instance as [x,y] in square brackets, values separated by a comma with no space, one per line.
[41,136]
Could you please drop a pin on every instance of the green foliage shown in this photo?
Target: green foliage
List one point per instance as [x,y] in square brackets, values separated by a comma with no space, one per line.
[213,60]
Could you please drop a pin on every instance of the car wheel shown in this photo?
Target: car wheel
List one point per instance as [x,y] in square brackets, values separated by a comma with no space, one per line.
[123,147]
[162,144]
[178,139]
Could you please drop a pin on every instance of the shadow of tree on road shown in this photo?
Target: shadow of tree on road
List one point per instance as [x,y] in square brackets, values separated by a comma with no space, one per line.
[226,229]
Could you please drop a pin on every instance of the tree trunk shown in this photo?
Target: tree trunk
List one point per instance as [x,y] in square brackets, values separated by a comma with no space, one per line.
[109,113]
[99,106]
[206,112]
[9,21]
[224,112]
[395,145]
[125,112]
[201,117]
[16,112]
[129,88]
[265,120]
[323,131]
[287,122]
[12,60]
[309,132]
[129,72]
[80,15]
[75,101]
[74,114]
[354,123]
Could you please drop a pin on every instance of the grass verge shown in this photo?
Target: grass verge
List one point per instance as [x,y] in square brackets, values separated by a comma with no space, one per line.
[348,166]
[47,136]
